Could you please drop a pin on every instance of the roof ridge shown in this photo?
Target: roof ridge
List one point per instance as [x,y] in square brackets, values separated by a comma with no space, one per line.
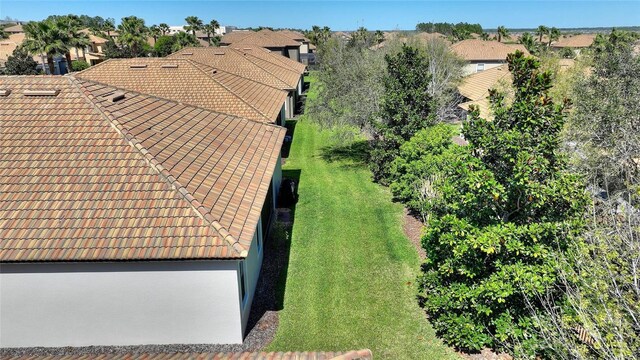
[280,64]
[192,63]
[257,65]
[164,174]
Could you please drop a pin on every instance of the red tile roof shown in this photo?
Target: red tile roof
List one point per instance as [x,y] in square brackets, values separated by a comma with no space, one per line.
[85,178]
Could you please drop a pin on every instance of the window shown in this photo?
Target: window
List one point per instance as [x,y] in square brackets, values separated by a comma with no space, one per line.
[480,67]
[243,287]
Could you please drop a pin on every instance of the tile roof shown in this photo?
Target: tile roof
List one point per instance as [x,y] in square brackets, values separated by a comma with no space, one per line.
[576,41]
[235,62]
[481,50]
[263,38]
[94,39]
[174,79]
[273,57]
[294,35]
[14,29]
[364,354]
[475,87]
[85,178]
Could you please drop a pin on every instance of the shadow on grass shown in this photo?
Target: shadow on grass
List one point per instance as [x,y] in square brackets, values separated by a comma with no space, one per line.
[269,295]
[288,140]
[352,155]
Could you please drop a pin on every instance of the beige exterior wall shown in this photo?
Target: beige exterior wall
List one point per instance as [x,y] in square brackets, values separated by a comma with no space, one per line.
[472,68]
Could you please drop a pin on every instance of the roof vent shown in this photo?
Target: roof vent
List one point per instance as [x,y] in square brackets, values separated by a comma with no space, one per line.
[5,92]
[117,96]
[218,53]
[169,66]
[215,71]
[187,53]
[247,49]
[138,66]
[41,92]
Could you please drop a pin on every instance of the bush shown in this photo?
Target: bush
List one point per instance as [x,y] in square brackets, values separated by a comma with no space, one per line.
[79,65]
[508,206]
[419,165]
[164,45]
[20,62]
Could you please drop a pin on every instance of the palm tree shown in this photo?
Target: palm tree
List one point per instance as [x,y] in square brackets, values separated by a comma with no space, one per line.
[77,39]
[3,34]
[484,36]
[155,32]
[164,28]
[541,31]
[133,34]
[184,39]
[503,32]
[108,26]
[554,34]
[528,41]
[193,24]
[210,29]
[46,39]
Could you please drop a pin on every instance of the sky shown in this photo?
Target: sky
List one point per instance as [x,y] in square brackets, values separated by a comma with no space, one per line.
[344,15]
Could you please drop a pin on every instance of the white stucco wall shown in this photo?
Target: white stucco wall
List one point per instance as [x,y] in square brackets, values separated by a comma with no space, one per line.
[304,48]
[253,264]
[471,68]
[79,304]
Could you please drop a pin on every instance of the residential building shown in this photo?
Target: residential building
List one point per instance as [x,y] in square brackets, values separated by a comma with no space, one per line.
[93,53]
[475,89]
[305,47]
[198,85]
[250,64]
[576,42]
[127,218]
[483,55]
[15,29]
[269,39]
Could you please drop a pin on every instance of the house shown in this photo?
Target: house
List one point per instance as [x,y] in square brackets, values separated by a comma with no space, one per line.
[127,218]
[364,354]
[93,53]
[305,47]
[269,39]
[189,82]
[482,55]
[422,37]
[15,29]
[7,46]
[247,64]
[576,42]
[475,89]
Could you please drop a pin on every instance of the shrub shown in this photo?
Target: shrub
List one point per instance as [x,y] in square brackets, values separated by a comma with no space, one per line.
[164,45]
[79,65]
[20,62]
[508,206]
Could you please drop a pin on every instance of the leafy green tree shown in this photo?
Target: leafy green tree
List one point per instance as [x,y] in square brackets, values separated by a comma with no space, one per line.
[20,62]
[164,29]
[79,65]
[193,24]
[406,107]
[502,32]
[72,26]
[484,36]
[378,36]
[542,31]
[155,32]
[3,34]
[46,38]
[164,45]
[210,29]
[132,37]
[182,40]
[507,206]
[318,35]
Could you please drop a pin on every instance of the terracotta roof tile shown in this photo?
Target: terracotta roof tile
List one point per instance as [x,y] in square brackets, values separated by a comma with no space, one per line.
[475,87]
[364,354]
[236,62]
[481,50]
[174,79]
[273,57]
[576,41]
[85,178]
[263,38]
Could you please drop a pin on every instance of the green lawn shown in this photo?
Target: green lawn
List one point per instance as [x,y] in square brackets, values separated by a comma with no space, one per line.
[351,273]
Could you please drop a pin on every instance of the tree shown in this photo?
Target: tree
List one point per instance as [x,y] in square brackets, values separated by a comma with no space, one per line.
[79,65]
[164,29]
[109,26]
[318,35]
[554,34]
[193,24]
[44,37]
[3,34]
[155,32]
[406,107]
[77,39]
[484,36]
[182,40]
[210,29]
[507,205]
[378,36]
[529,42]
[164,45]
[600,279]
[20,62]
[502,32]
[542,31]
[132,37]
